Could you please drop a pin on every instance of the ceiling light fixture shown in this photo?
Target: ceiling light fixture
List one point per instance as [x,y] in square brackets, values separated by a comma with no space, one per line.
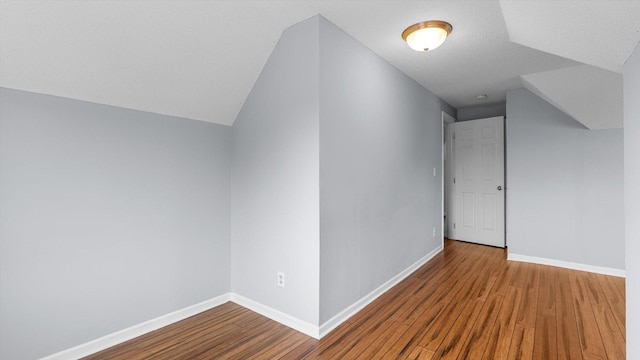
[427,35]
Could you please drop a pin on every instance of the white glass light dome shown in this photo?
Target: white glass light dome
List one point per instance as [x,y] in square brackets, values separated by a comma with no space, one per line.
[427,35]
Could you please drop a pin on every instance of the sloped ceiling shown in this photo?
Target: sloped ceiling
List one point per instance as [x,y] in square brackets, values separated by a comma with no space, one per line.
[583,92]
[200,59]
[600,34]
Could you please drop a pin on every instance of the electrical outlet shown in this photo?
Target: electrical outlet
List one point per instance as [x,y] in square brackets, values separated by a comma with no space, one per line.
[434,231]
[280,279]
[434,171]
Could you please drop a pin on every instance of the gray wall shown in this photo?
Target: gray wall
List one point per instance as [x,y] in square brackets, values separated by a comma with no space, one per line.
[481,111]
[631,78]
[275,187]
[565,186]
[380,138]
[108,217]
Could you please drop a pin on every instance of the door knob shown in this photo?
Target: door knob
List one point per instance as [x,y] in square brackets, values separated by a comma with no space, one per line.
[499,187]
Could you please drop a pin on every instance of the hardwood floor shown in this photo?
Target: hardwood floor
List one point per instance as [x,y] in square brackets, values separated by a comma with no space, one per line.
[466,303]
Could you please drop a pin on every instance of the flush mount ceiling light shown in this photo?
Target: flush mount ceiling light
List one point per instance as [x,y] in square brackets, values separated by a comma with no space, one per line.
[426,35]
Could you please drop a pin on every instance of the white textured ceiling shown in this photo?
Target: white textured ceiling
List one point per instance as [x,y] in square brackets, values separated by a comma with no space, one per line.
[601,34]
[199,59]
[598,33]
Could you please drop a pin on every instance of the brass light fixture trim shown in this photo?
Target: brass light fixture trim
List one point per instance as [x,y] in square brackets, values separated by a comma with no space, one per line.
[438,24]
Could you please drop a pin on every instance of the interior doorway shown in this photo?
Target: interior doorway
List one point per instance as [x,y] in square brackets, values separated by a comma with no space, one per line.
[474,180]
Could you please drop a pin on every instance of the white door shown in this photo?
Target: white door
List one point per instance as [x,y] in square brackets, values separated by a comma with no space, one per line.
[479,181]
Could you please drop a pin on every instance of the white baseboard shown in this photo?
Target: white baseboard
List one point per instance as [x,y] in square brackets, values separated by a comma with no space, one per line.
[318,332]
[304,327]
[567,264]
[360,304]
[129,333]
[276,315]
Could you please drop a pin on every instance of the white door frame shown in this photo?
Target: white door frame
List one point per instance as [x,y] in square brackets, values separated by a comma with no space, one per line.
[446,120]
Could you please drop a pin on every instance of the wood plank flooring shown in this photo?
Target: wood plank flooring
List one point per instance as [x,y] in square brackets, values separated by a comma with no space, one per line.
[466,303]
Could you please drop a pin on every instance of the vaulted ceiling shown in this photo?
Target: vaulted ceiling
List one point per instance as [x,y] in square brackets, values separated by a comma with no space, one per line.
[200,59]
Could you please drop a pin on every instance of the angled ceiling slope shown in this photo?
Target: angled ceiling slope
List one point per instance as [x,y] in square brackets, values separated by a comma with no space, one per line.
[200,59]
[587,93]
[601,34]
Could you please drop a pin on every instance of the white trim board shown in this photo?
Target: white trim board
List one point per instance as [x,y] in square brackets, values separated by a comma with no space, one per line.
[345,314]
[567,265]
[129,333]
[304,327]
[319,332]
[277,315]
